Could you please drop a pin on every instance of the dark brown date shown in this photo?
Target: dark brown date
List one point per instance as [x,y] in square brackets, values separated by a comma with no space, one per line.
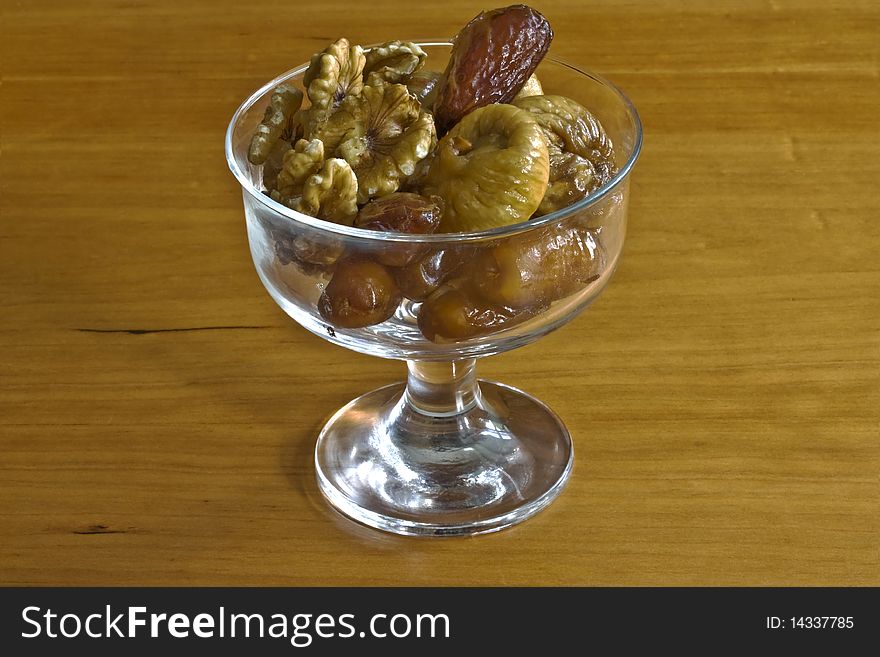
[400,212]
[361,293]
[492,57]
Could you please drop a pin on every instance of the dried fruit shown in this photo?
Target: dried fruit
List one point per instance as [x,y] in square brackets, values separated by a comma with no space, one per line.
[333,75]
[283,103]
[361,293]
[420,278]
[536,268]
[572,178]
[302,161]
[382,133]
[569,127]
[423,85]
[393,62]
[492,57]
[329,194]
[457,312]
[490,170]
[532,87]
[401,212]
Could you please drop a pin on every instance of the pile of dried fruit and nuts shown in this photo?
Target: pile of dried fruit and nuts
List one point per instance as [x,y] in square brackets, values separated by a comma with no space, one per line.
[364,151]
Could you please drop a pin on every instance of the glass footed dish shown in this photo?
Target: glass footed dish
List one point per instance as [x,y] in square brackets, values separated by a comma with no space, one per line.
[445,453]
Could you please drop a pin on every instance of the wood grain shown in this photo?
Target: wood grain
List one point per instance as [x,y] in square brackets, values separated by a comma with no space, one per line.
[158,411]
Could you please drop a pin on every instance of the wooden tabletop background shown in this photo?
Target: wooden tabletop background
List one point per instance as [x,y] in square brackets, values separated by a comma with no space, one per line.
[158,412]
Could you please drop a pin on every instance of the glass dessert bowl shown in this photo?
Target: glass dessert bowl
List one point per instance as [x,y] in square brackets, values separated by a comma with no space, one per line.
[443,453]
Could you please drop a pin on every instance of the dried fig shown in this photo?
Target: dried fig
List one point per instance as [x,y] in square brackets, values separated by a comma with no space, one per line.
[283,103]
[420,278]
[569,127]
[572,178]
[457,312]
[536,268]
[490,170]
[361,293]
[393,62]
[492,57]
[382,133]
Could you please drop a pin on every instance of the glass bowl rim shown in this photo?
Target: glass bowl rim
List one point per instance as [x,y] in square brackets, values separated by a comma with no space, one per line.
[512,229]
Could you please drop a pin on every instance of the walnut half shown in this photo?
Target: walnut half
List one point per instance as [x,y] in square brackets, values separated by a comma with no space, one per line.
[303,160]
[330,193]
[393,62]
[382,133]
[283,103]
[333,74]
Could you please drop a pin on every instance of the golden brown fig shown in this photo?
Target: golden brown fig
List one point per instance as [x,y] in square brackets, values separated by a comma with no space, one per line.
[572,178]
[420,278]
[490,170]
[457,312]
[492,57]
[361,293]
[570,127]
[536,268]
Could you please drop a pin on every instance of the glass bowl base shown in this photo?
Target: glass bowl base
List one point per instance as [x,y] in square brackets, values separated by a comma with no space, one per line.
[384,463]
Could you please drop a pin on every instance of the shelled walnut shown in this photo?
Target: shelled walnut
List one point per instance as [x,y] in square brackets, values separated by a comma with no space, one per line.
[330,193]
[393,62]
[382,133]
[303,160]
[333,75]
[283,103]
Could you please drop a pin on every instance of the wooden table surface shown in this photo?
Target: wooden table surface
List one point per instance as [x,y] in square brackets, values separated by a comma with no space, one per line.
[158,412]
